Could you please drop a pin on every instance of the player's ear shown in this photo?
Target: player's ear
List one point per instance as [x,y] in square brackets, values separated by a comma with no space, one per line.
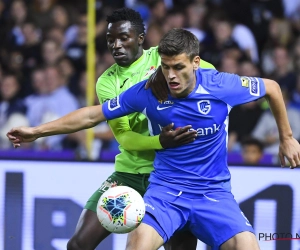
[141,38]
[196,62]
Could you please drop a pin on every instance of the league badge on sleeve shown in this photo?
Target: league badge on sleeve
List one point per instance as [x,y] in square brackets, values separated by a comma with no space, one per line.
[114,104]
[252,83]
[245,81]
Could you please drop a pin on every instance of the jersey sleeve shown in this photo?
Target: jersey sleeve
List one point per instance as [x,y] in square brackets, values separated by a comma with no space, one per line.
[130,101]
[234,89]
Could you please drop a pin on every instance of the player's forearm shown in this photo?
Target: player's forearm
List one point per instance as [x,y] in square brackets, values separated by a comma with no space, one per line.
[80,119]
[277,105]
[130,140]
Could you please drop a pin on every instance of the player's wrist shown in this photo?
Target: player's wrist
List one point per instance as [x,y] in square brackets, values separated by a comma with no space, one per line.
[37,131]
[156,142]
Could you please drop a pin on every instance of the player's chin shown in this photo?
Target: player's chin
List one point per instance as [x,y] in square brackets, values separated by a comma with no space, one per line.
[176,91]
[122,62]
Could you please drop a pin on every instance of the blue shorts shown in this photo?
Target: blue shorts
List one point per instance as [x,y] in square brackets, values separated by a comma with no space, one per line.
[212,217]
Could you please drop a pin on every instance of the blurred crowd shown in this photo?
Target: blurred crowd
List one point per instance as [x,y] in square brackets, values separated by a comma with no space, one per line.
[43,61]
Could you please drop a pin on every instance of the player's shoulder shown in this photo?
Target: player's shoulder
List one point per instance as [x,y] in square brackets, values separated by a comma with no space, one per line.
[140,87]
[206,65]
[212,77]
[152,53]
[108,75]
[111,72]
[208,73]
[151,50]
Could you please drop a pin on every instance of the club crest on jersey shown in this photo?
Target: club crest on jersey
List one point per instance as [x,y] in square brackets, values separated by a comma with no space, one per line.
[114,104]
[204,107]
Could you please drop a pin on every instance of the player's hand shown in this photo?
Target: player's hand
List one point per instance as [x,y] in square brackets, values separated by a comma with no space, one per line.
[170,138]
[290,149]
[158,85]
[20,135]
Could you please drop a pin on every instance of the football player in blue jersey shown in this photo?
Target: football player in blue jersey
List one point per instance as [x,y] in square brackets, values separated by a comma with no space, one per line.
[190,185]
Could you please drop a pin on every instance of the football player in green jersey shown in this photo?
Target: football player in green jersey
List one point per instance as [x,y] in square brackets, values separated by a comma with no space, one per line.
[125,37]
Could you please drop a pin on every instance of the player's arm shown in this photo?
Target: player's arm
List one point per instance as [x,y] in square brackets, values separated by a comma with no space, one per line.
[80,119]
[289,146]
[131,140]
[120,126]
[158,84]
[168,137]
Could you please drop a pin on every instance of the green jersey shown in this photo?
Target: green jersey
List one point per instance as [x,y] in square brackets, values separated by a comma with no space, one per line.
[113,82]
[116,80]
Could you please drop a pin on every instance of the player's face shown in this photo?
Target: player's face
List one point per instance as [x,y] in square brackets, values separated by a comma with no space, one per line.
[179,72]
[124,43]
[251,154]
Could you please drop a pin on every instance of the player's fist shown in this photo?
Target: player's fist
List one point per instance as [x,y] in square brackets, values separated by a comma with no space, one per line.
[21,134]
[170,138]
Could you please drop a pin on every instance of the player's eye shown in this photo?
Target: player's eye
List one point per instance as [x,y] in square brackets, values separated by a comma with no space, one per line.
[109,40]
[178,67]
[124,38]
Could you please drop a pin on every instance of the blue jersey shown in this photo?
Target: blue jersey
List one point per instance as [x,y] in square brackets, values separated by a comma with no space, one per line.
[199,166]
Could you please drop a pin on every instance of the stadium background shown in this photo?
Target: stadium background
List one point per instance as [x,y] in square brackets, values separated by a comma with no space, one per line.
[43,75]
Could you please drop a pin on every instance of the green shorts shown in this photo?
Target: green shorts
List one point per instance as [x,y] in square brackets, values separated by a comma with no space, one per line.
[139,182]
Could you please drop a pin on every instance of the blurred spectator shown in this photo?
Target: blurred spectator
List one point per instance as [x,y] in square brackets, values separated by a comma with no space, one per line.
[246,41]
[31,48]
[69,75]
[283,72]
[18,15]
[59,17]
[62,22]
[56,34]
[15,62]
[195,14]
[229,64]
[280,35]
[212,48]
[41,12]
[51,101]
[248,68]
[12,108]
[153,35]
[255,14]
[76,50]
[252,151]
[51,52]
[158,11]
[266,129]
[174,19]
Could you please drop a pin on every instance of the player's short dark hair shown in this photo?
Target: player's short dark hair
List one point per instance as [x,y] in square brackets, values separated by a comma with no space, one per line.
[178,41]
[126,14]
[253,141]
